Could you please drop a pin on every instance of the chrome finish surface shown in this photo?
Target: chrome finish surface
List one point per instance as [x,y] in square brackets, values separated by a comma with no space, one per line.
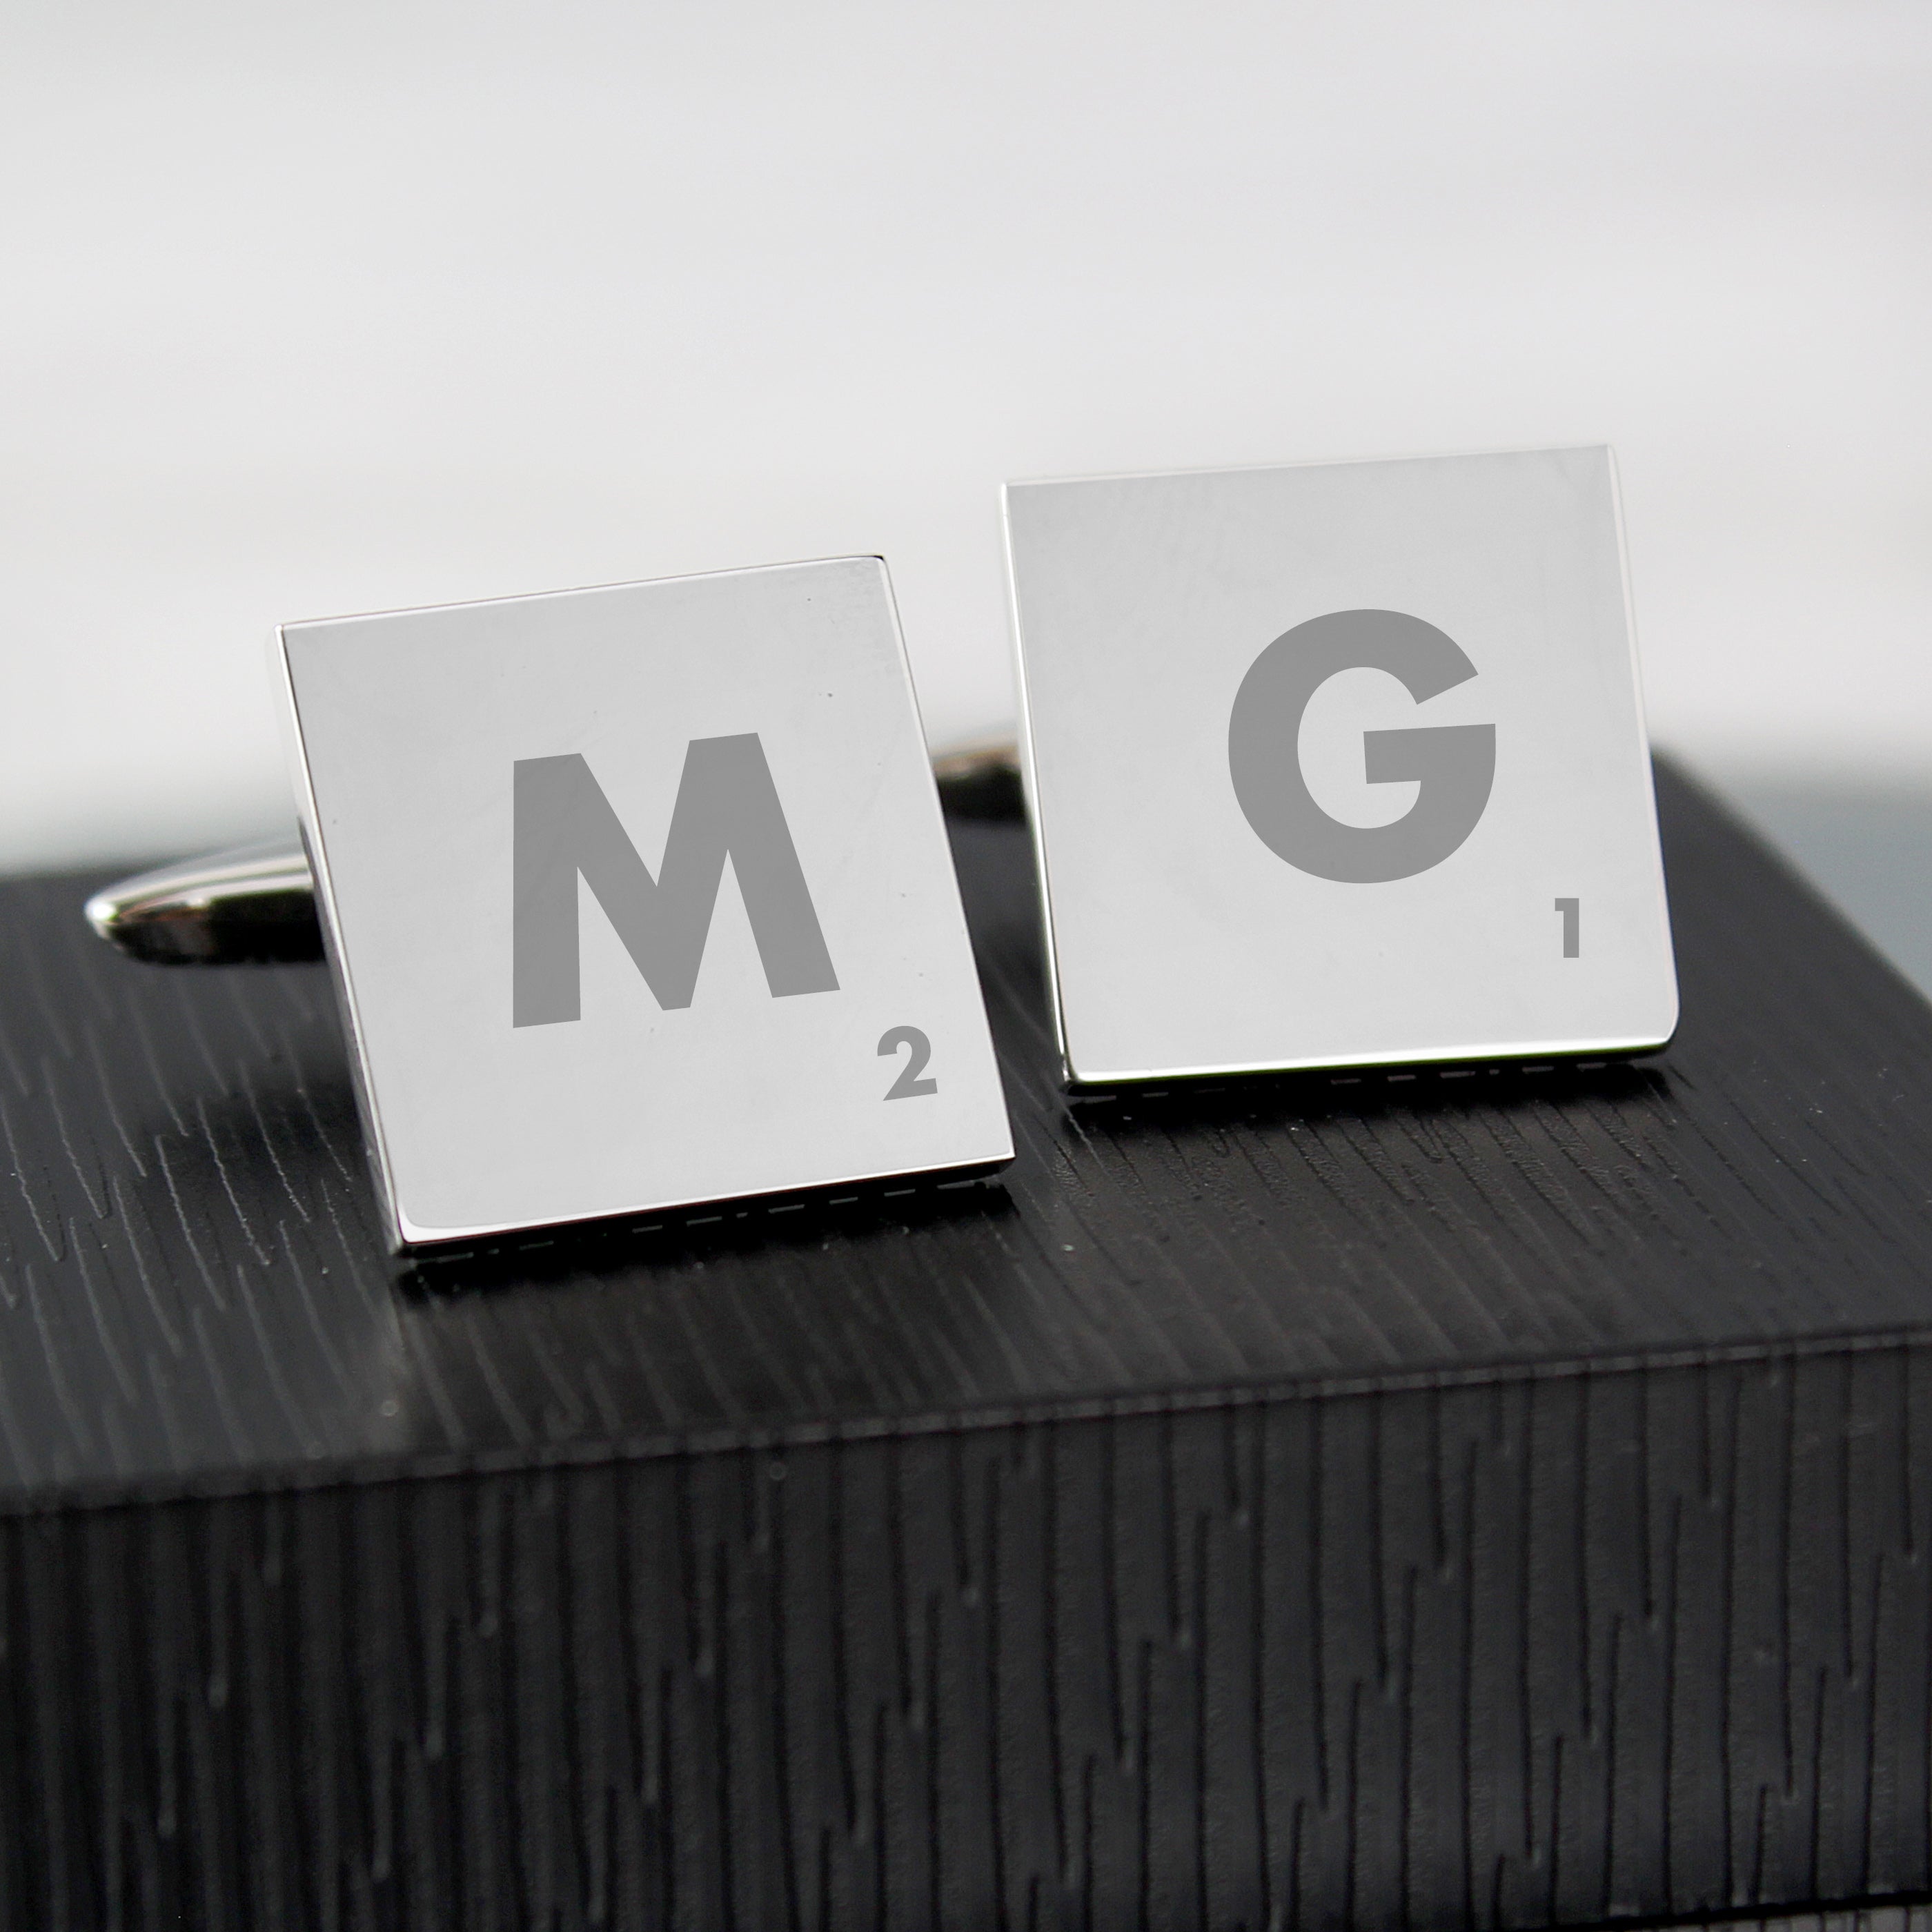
[981,780]
[639,897]
[1338,764]
[251,904]
[255,904]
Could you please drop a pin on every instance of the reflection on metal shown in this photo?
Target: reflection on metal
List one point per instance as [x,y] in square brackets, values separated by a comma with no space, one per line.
[981,781]
[255,905]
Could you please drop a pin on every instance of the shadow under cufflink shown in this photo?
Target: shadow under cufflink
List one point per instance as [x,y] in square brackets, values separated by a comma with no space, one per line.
[803,1223]
[1369,1095]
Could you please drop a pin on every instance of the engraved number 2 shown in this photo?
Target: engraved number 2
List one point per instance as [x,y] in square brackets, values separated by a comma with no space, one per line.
[919,1050]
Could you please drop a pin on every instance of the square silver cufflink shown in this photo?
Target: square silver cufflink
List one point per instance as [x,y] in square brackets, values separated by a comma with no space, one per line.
[638,897]
[1338,764]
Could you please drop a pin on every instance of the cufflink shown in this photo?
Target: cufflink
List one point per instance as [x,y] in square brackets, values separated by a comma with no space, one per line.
[636,898]
[1338,764]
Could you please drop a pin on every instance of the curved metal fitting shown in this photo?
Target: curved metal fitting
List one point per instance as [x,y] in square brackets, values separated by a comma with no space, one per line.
[252,904]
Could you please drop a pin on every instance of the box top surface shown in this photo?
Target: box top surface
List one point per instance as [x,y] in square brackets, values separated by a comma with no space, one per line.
[194,1293]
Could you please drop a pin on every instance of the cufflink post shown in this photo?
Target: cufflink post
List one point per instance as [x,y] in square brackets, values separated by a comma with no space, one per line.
[255,904]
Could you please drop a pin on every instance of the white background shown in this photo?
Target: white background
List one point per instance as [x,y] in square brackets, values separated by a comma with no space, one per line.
[311,310]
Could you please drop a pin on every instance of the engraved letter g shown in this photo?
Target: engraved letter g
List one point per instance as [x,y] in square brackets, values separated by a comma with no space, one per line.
[1456,764]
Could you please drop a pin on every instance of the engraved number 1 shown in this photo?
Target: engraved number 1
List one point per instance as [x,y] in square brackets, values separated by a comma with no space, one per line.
[1572,945]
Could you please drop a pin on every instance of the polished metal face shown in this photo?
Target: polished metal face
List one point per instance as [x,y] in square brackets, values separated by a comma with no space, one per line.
[1338,764]
[639,897]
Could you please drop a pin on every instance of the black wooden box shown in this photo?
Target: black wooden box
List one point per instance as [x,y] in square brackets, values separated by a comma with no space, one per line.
[1478,1497]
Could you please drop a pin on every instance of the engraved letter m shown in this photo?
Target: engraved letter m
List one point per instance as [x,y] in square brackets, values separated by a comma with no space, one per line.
[727,807]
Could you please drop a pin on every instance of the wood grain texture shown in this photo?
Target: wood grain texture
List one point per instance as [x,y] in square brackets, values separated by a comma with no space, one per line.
[196,1295]
[1544,1652]
[1501,1501]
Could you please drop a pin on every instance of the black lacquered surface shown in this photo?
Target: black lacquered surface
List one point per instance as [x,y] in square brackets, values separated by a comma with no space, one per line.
[196,1295]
